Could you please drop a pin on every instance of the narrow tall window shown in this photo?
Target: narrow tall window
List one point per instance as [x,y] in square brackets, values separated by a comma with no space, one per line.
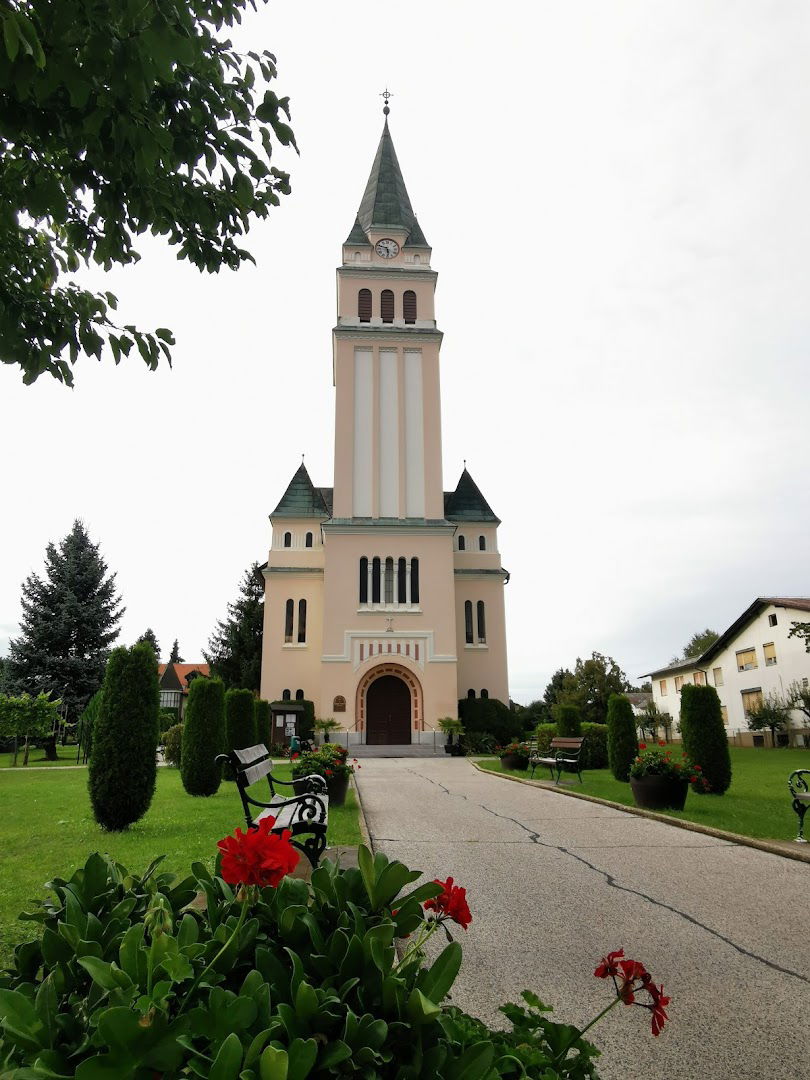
[299,695]
[302,621]
[468,627]
[285,695]
[471,695]
[718,676]
[387,305]
[482,543]
[662,686]
[364,305]
[402,581]
[414,581]
[288,622]
[462,544]
[482,626]
[389,580]
[409,306]
[485,693]
[364,580]
[308,541]
[770,654]
[375,580]
[287,539]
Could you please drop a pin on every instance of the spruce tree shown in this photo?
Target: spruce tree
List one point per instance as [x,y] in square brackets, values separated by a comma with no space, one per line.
[235,647]
[149,636]
[174,655]
[123,768]
[621,736]
[70,619]
[240,722]
[704,736]
[203,737]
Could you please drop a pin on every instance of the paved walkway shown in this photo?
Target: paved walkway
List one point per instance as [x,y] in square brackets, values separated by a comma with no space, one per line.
[554,883]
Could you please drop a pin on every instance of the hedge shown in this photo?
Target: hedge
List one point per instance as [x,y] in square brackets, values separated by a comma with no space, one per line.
[203,737]
[595,748]
[264,721]
[491,716]
[173,745]
[568,720]
[704,736]
[544,733]
[622,739]
[240,723]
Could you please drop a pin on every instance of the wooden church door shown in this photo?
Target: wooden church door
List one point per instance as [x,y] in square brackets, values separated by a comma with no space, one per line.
[388,712]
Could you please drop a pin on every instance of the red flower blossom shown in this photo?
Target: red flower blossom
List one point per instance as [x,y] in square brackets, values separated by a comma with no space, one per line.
[294,756]
[609,964]
[659,1001]
[259,856]
[630,977]
[450,904]
[698,769]
[661,742]
[329,772]
[642,746]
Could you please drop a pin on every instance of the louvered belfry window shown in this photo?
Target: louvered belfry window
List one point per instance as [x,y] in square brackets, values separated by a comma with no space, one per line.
[409,306]
[387,306]
[364,305]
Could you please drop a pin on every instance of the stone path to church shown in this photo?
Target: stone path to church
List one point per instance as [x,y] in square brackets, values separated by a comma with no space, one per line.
[554,883]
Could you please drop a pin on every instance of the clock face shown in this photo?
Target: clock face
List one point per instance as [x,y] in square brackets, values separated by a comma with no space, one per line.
[387,249]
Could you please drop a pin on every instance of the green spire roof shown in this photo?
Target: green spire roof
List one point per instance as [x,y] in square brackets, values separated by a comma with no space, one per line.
[301,499]
[386,201]
[467,503]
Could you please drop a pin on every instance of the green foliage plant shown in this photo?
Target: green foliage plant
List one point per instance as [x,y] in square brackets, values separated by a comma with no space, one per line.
[772,712]
[240,722]
[167,717]
[490,715]
[704,735]
[329,761]
[203,737]
[450,725]
[264,720]
[123,768]
[173,745]
[25,717]
[544,733]
[87,723]
[699,642]
[622,742]
[325,725]
[568,720]
[660,760]
[595,748]
[235,647]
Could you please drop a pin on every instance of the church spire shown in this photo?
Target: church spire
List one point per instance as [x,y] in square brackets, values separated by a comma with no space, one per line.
[385,203]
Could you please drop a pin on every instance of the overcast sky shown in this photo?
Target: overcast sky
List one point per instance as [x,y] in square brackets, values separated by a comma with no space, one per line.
[617,199]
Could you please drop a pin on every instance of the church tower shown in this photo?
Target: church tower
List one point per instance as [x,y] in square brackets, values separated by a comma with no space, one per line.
[384,599]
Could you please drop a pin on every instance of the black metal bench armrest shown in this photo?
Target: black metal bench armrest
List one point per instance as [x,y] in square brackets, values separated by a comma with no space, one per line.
[799,782]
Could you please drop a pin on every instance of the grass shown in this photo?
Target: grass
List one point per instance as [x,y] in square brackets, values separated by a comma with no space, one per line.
[67,756]
[757,804]
[47,830]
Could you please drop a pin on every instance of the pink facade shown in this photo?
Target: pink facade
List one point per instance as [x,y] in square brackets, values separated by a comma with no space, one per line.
[385,594]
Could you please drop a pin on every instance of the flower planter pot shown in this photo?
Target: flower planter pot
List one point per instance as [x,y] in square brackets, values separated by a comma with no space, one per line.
[336,788]
[655,792]
[514,761]
[457,750]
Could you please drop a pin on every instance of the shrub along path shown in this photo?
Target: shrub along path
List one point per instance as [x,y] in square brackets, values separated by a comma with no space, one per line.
[47,830]
[555,883]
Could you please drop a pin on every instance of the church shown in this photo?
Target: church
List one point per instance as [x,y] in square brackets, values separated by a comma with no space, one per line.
[384,595]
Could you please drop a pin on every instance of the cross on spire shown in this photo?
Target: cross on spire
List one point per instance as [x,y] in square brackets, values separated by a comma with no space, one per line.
[386,95]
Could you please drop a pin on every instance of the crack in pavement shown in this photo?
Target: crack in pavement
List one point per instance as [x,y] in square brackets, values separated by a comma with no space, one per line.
[613,883]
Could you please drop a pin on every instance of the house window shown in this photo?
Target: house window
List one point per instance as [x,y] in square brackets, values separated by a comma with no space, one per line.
[724,714]
[746,659]
[699,678]
[364,580]
[409,306]
[375,580]
[462,543]
[414,581]
[468,625]
[770,654]
[771,620]
[287,539]
[485,693]
[678,683]
[471,695]
[387,306]
[482,625]
[364,305]
[288,622]
[308,541]
[751,699]
[302,621]
[482,543]
[285,695]
[662,686]
[717,674]
[299,695]
[402,581]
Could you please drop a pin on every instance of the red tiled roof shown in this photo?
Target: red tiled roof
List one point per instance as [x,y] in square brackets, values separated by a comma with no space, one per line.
[182,671]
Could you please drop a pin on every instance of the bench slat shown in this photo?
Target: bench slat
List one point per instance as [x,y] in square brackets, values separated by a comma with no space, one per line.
[256,772]
[250,754]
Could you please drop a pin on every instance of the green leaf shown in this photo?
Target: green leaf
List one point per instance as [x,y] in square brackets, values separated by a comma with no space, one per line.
[274,1064]
[101,972]
[475,1062]
[306,1002]
[392,880]
[366,864]
[421,1009]
[436,982]
[228,1061]
[20,1018]
[11,35]
[302,1054]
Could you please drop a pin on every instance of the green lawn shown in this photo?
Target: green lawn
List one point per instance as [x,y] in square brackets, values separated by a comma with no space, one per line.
[47,830]
[757,803]
[67,756]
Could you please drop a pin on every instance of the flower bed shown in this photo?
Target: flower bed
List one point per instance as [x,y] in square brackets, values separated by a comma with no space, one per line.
[330,762]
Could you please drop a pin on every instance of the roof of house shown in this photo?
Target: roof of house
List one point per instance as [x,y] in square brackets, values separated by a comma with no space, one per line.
[302,498]
[467,503]
[639,699]
[796,603]
[175,676]
[385,201]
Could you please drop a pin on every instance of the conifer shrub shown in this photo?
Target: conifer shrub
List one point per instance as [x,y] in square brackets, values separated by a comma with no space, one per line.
[568,720]
[173,745]
[123,768]
[306,720]
[544,733]
[595,747]
[622,742]
[704,736]
[491,716]
[203,737]
[240,723]
[264,720]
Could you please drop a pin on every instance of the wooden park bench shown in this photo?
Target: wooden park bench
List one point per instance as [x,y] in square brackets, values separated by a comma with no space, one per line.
[305,812]
[799,784]
[565,754]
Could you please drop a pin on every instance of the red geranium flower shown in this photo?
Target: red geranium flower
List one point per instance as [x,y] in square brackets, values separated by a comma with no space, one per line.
[642,746]
[259,856]
[659,1001]
[450,904]
[294,756]
[609,964]
[329,772]
[630,977]
[661,742]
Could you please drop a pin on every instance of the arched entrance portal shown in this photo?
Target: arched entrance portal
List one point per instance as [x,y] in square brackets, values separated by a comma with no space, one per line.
[388,711]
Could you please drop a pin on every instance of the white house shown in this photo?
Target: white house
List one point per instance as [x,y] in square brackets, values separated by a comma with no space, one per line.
[752,658]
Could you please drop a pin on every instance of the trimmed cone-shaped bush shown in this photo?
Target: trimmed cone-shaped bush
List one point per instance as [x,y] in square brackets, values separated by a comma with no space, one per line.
[240,723]
[123,770]
[264,720]
[594,749]
[544,733]
[622,742]
[203,737]
[704,736]
[173,745]
[568,721]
